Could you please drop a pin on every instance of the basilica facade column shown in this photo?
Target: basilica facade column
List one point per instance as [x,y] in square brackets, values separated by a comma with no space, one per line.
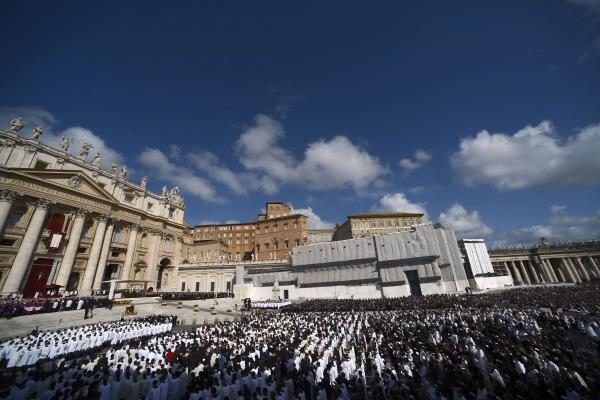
[92,264]
[28,246]
[71,250]
[153,259]
[104,255]
[7,199]
[131,244]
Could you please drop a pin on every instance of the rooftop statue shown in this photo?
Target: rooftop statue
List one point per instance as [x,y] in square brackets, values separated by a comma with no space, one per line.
[85,150]
[97,160]
[113,168]
[65,142]
[123,173]
[16,124]
[144,182]
[37,132]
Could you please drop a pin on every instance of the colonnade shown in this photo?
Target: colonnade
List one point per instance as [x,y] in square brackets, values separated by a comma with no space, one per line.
[562,269]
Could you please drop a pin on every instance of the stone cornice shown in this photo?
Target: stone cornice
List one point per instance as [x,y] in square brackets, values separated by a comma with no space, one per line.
[22,183]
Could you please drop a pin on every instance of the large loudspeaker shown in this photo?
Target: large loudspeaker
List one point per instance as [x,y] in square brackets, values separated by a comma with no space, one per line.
[248,303]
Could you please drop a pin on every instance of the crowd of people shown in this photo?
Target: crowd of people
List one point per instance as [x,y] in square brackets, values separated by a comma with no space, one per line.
[194,295]
[567,297]
[49,345]
[14,307]
[524,343]
[271,304]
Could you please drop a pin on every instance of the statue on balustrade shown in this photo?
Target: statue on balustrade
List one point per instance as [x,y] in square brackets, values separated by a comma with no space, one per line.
[16,124]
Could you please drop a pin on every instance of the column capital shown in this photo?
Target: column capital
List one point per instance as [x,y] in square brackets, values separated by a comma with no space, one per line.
[8,195]
[42,203]
[31,149]
[135,227]
[80,212]
[7,143]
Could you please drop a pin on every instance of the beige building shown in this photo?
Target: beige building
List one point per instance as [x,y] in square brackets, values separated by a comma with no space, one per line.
[373,224]
[66,221]
[270,237]
[320,235]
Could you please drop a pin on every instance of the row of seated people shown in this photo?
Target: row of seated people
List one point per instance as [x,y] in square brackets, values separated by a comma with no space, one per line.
[14,307]
[194,295]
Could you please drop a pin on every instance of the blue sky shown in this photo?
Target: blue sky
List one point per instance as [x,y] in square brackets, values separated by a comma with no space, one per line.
[485,115]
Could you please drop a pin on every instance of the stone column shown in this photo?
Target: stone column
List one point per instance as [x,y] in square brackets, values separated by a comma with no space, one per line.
[551,271]
[531,270]
[517,274]
[582,272]
[103,255]
[71,250]
[28,246]
[131,244]
[153,260]
[524,273]
[567,271]
[6,149]
[589,273]
[92,264]
[7,199]
[174,276]
[578,277]
[594,266]
[542,273]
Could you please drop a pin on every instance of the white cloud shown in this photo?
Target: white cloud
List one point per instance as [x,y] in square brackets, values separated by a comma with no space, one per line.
[561,226]
[35,116]
[332,164]
[465,224]
[161,168]
[337,164]
[420,159]
[314,221]
[259,149]
[590,6]
[532,157]
[397,202]
[209,163]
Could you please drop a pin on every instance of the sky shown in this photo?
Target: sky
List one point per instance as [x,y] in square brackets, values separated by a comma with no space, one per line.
[483,115]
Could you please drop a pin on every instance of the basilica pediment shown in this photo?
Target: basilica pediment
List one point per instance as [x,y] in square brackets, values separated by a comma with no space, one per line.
[64,186]
[71,179]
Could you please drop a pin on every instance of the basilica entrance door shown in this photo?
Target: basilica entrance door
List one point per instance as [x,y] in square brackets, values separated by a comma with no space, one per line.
[38,277]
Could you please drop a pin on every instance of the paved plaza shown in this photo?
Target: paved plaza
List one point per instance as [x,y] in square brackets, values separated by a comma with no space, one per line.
[186,316]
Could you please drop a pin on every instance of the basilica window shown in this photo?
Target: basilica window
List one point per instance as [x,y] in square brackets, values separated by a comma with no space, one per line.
[16,218]
[120,235]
